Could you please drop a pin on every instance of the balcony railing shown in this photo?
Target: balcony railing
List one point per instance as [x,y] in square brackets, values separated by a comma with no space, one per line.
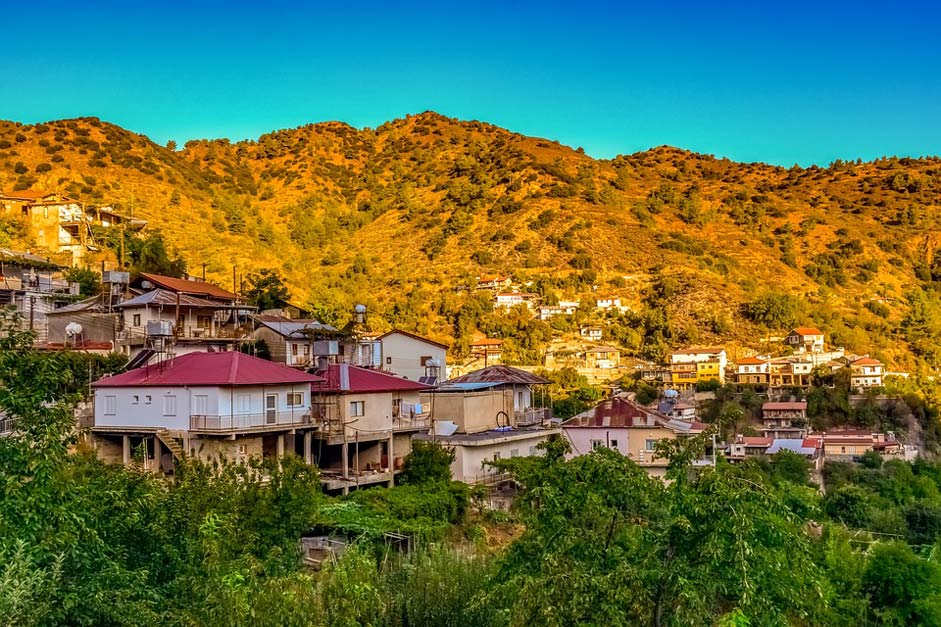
[532,416]
[7,425]
[245,422]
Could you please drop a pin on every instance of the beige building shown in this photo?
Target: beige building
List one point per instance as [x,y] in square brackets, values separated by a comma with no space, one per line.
[414,357]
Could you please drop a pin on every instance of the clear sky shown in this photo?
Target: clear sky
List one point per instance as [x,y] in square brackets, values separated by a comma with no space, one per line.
[786,82]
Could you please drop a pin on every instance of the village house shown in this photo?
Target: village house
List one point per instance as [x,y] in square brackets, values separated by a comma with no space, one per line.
[292,342]
[810,448]
[622,424]
[784,419]
[752,370]
[34,287]
[365,420]
[489,349]
[493,282]
[592,334]
[748,446]
[604,303]
[691,366]
[805,340]
[602,357]
[675,408]
[564,308]
[485,416]
[413,356]
[203,405]
[790,372]
[866,372]
[850,444]
[508,300]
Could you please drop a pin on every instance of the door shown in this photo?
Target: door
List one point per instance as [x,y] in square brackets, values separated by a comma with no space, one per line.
[271,408]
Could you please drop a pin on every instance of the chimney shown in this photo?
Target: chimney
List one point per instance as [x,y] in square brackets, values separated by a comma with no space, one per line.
[344,377]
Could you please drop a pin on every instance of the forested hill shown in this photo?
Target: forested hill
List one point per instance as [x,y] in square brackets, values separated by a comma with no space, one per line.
[401,215]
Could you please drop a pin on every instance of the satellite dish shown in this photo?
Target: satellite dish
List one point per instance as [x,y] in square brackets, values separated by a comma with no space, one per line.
[147,285]
[72,329]
[445,427]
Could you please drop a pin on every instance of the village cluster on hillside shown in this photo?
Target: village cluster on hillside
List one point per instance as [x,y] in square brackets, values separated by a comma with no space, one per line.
[352,401]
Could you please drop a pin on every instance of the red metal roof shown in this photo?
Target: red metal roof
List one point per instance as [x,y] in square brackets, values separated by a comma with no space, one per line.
[755,441]
[186,286]
[364,380]
[228,368]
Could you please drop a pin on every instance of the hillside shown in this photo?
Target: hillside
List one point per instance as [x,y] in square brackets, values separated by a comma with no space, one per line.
[400,216]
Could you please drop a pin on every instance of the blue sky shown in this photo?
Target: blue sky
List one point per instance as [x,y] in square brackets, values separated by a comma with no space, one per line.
[788,83]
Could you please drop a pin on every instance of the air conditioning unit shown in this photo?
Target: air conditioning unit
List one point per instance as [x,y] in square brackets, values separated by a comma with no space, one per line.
[160,328]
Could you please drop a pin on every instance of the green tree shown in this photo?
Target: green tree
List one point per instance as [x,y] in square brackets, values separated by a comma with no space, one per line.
[266,290]
[428,462]
[89,281]
[773,310]
[903,588]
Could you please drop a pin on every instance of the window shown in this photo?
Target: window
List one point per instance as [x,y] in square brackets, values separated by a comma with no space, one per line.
[514,452]
[650,445]
[496,456]
[613,444]
[169,405]
[533,451]
[596,444]
[111,405]
[200,404]
[425,359]
[147,400]
[388,361]
[136,322]
[135,400]
[357,408]
[294,349]
[295,399]
[243,404]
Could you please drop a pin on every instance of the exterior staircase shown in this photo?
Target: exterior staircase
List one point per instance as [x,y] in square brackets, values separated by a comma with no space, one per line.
[173,441]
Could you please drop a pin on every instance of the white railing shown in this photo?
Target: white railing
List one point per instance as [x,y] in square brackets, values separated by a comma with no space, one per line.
[7,425]
[240,422]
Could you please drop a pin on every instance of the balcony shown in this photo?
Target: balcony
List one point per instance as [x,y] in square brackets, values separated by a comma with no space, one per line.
[7,425]
[531,416]
[267,421]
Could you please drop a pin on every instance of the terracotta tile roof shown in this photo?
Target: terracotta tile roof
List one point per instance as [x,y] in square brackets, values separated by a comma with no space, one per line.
[754,441]
[866,361]
[228,368]
[487,341]
[197,288]
[27,194]
[751,361]
[500,374]
[698,351]
[346,378]
[807,331]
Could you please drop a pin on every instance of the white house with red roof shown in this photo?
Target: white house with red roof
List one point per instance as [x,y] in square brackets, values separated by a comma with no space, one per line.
[754,370]
[203,405]
[366,419]
[805,339]
[866,372]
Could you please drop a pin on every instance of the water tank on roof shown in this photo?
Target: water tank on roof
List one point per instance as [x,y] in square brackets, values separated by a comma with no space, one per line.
[326,348]
[160,328]
[116,276]
[72,329]
[670,393]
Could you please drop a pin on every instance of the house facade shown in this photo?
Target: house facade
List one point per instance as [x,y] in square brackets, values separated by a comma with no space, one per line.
[414,357]
[366,419]
[753,370]
[691,366]
[508,300]
[530,397]
[602,357]
[866,372]
[34,287]
[622,424]
[293,342]
[203,405]
[806,340]
[784,419]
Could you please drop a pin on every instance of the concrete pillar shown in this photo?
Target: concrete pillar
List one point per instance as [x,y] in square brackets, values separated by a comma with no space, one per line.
[280,447]
[391,461]
[345,456]
[125,449]
[308,447]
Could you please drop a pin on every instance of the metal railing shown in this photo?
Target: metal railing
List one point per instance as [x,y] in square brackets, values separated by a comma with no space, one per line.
[8,425]
[241,422]
[408,423]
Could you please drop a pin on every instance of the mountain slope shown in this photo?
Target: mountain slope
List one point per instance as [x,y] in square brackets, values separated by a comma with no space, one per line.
[400,215]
